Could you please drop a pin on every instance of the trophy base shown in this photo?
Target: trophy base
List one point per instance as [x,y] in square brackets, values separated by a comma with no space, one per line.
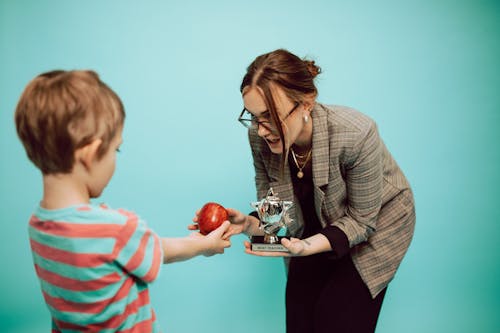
[258,245]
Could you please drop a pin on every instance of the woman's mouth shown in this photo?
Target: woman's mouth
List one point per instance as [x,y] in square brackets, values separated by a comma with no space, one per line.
[273,142]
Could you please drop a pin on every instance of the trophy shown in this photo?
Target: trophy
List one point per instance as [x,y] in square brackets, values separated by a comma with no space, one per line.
[273,215]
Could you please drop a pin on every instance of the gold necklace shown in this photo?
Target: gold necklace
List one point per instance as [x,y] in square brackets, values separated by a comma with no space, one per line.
[301,157]
[300,174]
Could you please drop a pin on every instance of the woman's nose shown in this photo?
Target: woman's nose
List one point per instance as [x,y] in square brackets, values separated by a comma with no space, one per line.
[262,130]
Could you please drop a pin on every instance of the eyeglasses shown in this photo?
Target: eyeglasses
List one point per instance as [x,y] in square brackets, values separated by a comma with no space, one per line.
[248,120]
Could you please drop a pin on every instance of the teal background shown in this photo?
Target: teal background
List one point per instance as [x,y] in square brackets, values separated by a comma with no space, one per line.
[426,71]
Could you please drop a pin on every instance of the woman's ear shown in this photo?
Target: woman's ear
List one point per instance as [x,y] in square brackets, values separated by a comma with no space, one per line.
[309,102]
[88,153]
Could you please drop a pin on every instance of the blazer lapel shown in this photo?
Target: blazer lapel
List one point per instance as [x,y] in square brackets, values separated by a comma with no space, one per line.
[320,167]
[320,157]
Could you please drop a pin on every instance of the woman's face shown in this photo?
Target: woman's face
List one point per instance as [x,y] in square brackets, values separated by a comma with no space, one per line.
[295,130]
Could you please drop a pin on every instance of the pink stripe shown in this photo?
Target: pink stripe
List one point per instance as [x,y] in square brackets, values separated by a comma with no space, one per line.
[125,234]
[77,285]
[70,258]
[63,305]
[153,271]
[143,326]
[138,256]
[72,230]
[143,299]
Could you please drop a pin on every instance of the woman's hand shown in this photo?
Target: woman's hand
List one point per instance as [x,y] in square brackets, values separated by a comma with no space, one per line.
[296,247]
[214,242]
[239,223]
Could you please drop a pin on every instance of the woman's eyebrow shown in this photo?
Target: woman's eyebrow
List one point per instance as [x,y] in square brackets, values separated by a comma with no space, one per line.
[264,113]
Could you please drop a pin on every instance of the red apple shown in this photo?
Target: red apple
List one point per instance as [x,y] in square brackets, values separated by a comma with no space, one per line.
[211,216]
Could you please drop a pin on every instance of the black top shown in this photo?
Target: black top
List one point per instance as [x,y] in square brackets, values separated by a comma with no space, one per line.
[303,189]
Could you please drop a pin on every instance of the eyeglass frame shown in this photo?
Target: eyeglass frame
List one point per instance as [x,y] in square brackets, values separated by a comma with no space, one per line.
[254,123]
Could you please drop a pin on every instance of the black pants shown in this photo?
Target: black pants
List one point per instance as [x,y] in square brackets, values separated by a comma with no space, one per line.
[325,295]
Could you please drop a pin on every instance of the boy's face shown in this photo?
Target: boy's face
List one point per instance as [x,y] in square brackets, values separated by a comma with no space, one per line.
[104,168]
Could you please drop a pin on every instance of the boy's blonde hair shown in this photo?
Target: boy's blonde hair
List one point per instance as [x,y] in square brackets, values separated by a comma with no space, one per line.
[61,111]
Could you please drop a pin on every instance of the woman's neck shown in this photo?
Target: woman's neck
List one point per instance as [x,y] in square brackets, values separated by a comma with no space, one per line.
[303,143]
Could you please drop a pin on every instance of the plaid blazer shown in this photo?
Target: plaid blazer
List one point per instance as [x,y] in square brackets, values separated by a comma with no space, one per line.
[358,187]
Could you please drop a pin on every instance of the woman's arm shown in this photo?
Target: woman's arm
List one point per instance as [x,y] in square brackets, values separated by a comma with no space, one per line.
[364,185]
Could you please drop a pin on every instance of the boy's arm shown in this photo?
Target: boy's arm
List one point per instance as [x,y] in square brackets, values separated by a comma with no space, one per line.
[180,249]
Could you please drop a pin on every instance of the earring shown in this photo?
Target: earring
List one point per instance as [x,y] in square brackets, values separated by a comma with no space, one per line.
[306,119]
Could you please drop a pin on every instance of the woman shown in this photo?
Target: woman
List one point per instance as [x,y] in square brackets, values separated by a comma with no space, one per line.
[353,214]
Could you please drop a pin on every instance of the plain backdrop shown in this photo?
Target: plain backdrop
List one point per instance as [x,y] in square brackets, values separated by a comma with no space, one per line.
[427,71]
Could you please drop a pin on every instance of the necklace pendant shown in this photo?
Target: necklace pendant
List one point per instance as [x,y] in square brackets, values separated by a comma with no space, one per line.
[300,174]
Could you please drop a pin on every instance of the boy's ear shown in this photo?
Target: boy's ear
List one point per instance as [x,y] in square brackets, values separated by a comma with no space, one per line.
[88,153]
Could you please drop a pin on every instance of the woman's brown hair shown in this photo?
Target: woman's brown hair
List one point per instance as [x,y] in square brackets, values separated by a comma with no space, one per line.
[283,69]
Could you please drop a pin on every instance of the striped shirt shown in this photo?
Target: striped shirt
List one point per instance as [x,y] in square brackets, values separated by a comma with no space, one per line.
[94,265]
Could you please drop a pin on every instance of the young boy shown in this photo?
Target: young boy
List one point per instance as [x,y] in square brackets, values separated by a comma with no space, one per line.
[94,263]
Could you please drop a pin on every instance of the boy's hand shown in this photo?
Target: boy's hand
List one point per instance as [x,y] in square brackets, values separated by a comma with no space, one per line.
[215,242]
[238,223]
[184,248]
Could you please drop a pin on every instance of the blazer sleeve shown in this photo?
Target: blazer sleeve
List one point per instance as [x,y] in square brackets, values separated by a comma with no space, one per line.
[363,172]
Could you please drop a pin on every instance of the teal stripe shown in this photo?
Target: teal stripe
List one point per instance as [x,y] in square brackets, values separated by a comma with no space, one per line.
[77,273]
[133,244]
[96,215]
[114,309]
[82,296]
[143,313]
[156,327]
[147,262]
[74,245]
[57,214]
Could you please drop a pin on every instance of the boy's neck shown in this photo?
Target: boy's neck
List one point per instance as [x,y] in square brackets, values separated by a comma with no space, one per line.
[63,190]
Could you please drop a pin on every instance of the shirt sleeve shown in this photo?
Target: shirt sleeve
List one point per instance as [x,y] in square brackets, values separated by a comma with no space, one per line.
[338,241]
[254,214]
[139,249]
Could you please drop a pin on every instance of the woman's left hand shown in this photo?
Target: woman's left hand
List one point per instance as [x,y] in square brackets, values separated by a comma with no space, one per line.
[296,247]
[239,223]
